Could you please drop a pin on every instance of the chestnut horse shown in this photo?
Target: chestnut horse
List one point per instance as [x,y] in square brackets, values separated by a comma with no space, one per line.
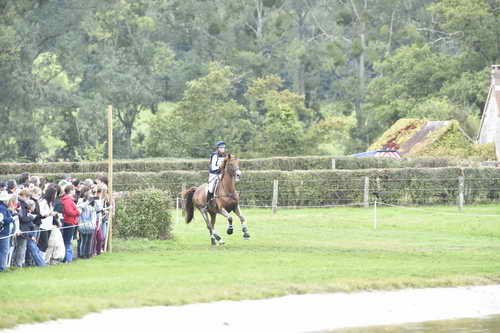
[226,200]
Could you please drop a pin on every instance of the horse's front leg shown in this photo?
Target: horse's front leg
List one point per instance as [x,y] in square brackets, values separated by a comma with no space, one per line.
[244,226]
[216,235]
[229,221]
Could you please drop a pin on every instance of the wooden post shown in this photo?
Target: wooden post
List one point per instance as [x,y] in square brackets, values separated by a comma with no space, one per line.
[366,193]
[177,209]
[333,163]
[275,196]
[461,186]
[375,214]
[109,239]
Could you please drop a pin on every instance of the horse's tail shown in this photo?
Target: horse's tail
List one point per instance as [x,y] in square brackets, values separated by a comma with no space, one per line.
[187,196]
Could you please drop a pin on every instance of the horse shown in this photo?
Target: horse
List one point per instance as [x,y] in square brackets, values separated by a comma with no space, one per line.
[226,200]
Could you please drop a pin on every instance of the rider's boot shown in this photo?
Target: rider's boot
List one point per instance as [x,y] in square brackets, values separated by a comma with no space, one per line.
[210,197]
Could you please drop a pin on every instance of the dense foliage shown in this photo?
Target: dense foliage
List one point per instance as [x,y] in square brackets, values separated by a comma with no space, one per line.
[144,214]
[271,77]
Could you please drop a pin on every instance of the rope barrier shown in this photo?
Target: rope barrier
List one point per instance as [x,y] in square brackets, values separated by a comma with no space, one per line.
[83,224]
[30,231]
[437,212]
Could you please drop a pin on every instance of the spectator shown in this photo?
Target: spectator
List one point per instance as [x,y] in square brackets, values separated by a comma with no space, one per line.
[34,181]
[12,186]
[23,180]
[27,240]
[71,215]
[87,224]
[36,194]
[99,207]
[13,206]
[6,223]
[46,205]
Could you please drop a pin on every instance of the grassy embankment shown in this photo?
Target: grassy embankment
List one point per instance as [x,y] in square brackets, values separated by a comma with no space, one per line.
[296,251]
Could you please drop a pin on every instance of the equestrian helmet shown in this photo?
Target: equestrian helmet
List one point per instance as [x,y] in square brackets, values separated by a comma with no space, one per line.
[220,144]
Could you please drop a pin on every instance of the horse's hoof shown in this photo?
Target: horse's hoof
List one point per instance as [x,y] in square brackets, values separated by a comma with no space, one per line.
[229,231]
[214,244]
[221,243]
[246,236]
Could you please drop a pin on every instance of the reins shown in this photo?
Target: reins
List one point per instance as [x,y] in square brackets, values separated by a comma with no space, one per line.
[229,194]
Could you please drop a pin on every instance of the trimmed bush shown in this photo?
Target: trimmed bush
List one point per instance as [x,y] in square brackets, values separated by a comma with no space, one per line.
[274,163]
[143,214]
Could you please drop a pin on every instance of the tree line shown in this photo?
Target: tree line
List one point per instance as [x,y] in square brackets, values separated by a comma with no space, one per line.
[271,77]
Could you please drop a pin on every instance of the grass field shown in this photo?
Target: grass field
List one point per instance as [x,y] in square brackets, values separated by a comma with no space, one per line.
[293,252]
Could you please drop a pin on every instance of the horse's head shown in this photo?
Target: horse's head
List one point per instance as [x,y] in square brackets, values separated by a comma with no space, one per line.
[231,166]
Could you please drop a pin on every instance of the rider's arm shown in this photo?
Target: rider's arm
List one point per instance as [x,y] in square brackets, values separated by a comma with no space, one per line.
[214,168]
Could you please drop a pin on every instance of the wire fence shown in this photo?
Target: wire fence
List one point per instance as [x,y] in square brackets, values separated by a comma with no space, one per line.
[348,191]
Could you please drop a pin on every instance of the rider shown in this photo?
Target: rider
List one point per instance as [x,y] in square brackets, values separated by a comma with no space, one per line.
[216,160]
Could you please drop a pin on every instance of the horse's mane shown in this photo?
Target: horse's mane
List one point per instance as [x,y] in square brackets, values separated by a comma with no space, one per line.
[229,158]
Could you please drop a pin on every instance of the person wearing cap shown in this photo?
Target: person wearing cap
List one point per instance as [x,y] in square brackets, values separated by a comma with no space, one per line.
[215,171]
[6,223]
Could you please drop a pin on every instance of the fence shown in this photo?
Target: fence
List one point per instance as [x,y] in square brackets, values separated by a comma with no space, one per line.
[316,193]
[323,188]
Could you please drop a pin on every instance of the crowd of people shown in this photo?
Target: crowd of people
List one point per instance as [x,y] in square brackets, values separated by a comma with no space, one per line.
[40,221]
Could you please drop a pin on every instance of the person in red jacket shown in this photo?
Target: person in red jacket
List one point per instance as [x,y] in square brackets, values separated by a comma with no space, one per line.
[71,214]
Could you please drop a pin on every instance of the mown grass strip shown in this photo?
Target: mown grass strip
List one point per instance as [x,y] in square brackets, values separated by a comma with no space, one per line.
[293,252]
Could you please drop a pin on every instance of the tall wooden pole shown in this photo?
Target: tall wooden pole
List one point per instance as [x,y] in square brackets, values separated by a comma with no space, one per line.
[110,179]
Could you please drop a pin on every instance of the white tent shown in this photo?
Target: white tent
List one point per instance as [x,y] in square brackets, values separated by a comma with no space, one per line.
[490,121]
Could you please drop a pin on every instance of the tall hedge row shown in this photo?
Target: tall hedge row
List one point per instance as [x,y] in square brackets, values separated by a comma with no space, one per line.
[274,163]
[331,187]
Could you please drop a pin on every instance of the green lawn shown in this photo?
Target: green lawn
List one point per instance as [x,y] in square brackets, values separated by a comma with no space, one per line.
[294,252]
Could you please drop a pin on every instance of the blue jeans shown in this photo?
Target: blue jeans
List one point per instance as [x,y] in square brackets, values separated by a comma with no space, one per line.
[4,253]
[67,234]
[35,253]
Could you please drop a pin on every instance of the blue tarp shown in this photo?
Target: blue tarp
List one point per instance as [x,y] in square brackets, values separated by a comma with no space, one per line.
[373,153]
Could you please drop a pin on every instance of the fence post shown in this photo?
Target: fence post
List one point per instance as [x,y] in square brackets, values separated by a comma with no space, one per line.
[366,192]
[275,196]
[333,163]
[177,209]
[375,214]
[461,186]
[108,246]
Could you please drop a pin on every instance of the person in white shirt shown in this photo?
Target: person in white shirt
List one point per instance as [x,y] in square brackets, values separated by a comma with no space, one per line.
[47,213]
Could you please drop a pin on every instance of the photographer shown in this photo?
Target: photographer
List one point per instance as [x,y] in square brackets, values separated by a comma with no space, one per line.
[27,239]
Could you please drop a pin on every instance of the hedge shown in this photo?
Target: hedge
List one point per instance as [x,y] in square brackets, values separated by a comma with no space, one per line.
[144,214]
[331,187]
[274,163]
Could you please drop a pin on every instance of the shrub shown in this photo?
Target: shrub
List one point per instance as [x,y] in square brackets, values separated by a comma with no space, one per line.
[144,214]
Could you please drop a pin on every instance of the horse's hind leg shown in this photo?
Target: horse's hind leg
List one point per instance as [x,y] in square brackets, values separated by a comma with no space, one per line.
[216,235]
[204,213]
[229,221]
[244,226]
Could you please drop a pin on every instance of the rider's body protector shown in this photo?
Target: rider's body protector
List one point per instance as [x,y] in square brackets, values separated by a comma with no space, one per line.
[216,160]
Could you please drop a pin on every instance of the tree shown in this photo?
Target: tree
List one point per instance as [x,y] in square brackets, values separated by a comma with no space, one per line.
[206,113]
